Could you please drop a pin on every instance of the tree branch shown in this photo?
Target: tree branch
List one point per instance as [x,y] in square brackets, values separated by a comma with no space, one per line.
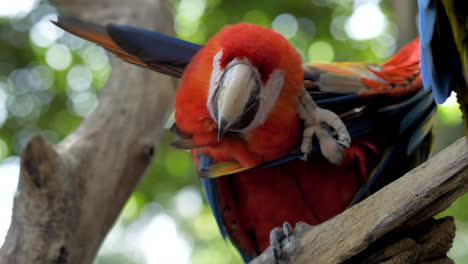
[402,205]
[69,195]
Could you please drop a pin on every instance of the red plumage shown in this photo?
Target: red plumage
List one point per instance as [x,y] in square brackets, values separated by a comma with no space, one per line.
[250,203]
[281,131]
[255,201]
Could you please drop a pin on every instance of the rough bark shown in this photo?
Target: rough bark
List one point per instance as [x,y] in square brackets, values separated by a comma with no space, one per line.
[399,208]
[69,195]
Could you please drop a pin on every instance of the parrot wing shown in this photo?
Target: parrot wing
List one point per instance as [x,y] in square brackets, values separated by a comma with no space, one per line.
[366,97]
[362,116]
[444,49]
[396,77]
[139,46]
[211,193]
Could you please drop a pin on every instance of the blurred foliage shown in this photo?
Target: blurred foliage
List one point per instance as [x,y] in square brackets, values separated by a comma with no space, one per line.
[49,80]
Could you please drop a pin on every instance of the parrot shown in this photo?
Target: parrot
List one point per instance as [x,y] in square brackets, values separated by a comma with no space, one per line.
[276,141]
[443,28]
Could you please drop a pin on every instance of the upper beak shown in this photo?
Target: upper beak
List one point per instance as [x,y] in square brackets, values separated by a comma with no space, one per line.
[237,98]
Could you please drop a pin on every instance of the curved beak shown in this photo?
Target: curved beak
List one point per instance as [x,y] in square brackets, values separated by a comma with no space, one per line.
[236,98]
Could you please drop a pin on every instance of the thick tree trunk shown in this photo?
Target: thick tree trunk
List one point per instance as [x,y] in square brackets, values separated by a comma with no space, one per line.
[69,195]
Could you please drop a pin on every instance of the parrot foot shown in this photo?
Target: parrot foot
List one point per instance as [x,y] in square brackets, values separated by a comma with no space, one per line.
[277,235]
[323,124]
[284,242]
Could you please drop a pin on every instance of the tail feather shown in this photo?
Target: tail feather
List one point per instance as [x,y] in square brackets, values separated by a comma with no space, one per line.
[400,75]
[142,47]
[97,34]
[407,56]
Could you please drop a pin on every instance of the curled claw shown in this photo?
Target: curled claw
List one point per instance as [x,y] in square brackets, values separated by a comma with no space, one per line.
[287,230]
[277,235]
[323,124]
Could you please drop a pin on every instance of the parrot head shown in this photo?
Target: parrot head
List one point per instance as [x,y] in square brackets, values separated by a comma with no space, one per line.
[246,77]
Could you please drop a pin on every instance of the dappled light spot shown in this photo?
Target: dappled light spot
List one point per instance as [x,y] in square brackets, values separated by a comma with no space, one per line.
[3,100]
[458,252]
[307,26]
[21,24]
[45,76]
[16,8]
[94,57]
[79,78]
[337,27]
[188,202]
[83,102]
[366,22]
[188,16]
[384,46]
[160,241]
[44,33]
[321,51]
[285,24]
[9,170]
[72,42]
[58,57]
[20,105]
[191,10]
[449,111]
[25,80]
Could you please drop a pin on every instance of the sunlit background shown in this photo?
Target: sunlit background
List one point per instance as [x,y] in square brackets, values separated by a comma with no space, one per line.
[49,81]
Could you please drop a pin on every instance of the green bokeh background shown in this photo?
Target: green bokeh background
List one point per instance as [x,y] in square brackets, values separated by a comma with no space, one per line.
[40,96]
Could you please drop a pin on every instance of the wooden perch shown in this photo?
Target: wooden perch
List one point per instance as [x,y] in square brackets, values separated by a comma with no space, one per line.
[69,195]
[401,207]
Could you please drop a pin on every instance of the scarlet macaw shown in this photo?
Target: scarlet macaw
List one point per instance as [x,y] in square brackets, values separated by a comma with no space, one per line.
[443,27]
[245,108]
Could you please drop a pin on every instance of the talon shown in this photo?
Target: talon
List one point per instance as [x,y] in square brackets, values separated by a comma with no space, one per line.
[287,230]
[323,124]
[275,255]
[277,235]
[275,243]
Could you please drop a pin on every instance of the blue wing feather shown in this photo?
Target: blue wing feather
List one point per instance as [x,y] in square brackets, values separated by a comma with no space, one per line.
[374,175]
[439,63]
[421,132]
[209,186]
[416,116]
[415,111]
[154,48]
